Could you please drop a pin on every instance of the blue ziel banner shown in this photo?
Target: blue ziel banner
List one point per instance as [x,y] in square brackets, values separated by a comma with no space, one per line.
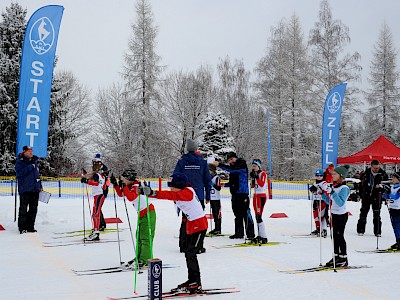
[331,124]
[36,72]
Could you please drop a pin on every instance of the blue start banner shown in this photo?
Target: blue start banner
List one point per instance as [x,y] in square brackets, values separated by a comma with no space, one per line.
[36,72]
[331,124]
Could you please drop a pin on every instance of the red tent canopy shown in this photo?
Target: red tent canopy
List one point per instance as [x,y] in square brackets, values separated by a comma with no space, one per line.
[381,149]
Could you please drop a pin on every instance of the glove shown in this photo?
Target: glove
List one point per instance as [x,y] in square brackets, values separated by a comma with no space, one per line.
[329,189]
[121,184]
[84,180]
[326,187]
[253,174]
[146,190]
[113,180]
[313,189]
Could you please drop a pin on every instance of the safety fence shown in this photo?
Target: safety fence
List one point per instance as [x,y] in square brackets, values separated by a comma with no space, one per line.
[73,188]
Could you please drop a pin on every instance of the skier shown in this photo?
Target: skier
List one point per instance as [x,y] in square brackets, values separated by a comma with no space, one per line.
[215,201]
[98,183]
[393,202]
[259,183]
[196,225]
[319,205]
[128,187]
[371,191]
[104,170]
[239,188]
[337,197]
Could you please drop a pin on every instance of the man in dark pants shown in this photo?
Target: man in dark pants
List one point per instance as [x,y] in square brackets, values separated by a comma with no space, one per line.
[194,166]
[239,188]
[371,190]
[29,186]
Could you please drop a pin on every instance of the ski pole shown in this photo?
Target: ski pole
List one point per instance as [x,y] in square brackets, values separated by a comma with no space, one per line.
[116,220]
[331,233]
[379,221]
[149,225]
[90,208]
[211,220]
[129,223]
[320,231]
[83,213]
[312,200]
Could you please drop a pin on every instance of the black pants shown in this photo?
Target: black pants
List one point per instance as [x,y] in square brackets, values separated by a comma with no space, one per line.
[182,234]
[241,210]
[216,212]
[194,242]
[28,203]
[338,227]
[376,204]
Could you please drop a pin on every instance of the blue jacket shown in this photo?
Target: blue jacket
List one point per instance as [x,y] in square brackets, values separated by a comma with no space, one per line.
[28,176]
[196,169]
[238,177]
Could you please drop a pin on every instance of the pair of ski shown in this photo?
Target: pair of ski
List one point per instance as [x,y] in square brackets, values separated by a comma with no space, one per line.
[78,242]
[172,295]
[114,270]
[389,250]
[324,268]
[250,244]
[67,234]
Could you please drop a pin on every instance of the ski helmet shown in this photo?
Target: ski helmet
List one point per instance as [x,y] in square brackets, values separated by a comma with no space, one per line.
[129,174]
[319,172]
[178,180]
[256,162]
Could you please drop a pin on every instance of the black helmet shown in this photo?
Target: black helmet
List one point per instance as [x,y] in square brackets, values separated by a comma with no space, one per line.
[129,174]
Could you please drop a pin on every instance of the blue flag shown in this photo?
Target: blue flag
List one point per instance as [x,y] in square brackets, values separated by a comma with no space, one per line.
[36,72]
[331,124]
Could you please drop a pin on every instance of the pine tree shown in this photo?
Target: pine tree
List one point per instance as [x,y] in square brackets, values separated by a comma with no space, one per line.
[12,29]
[383,96]
[215,140]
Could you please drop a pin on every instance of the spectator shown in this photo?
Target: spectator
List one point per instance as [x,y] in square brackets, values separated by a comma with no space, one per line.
[29,186]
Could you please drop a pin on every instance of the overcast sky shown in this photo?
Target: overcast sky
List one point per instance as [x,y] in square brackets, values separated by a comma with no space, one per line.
[94,33]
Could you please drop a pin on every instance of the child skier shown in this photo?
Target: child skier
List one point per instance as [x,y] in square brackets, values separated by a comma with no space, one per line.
[259,183]
[215,199]
[394,208]
[98,183]
[147,220]
[196,225]
[319,205]
[337,197]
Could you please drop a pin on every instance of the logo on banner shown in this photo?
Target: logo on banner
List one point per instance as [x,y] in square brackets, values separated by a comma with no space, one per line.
[156,271]
[41,35]
[334,102]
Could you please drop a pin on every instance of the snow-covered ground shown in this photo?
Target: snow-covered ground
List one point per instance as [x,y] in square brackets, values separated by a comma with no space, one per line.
[31,271]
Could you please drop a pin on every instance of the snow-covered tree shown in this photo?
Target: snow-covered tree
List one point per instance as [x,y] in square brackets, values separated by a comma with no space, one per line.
[141,73]
[234,101]
[68,126]
[215,140]
[284,85]
[383,96]
[332,66]
[12,29]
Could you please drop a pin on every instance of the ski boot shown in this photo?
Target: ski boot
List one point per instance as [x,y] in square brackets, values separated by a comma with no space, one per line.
[94,236]
[324,233]
[341,261]
[315,232]
[188,287]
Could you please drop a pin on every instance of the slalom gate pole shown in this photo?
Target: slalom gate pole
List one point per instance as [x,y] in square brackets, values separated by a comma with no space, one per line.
[83,212]
[151,234]
[137,248]
[116,220]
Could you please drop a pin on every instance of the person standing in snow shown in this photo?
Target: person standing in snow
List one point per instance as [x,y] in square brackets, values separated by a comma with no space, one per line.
[215,201]
[371,191]
[104,170]
[239,188]
[319,206]
[186,200]
[393,202]
[260,185]
[29,186]
[337,197]
[147,220]
[194,166]
[97,181]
